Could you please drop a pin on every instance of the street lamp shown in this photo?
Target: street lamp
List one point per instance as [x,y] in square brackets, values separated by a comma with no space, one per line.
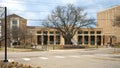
[5,15]
[5,35]
[5,12]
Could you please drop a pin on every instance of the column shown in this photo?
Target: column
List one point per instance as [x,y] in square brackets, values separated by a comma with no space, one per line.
[54,38]
[82,39]
[48,42]
[101,40]
[89,39]
[89,36]
[61,40]
[95,39]
[42,39]
[36,39]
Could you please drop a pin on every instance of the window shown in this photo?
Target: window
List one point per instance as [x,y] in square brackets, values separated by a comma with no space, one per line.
[85,39]
[39,32]
[79,32]
[51,32]
[14,22]
[79,39]
[57,32]
[85,32]
[51,39]
[92,32]
[57,39]
[45,32]
[98,32]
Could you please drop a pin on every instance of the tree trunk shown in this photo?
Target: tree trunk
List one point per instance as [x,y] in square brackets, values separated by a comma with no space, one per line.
[67,40]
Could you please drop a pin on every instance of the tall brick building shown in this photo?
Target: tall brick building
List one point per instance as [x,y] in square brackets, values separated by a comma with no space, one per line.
[106,20]
[16,27]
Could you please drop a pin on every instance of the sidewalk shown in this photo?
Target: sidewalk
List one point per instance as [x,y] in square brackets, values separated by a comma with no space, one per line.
[112,57]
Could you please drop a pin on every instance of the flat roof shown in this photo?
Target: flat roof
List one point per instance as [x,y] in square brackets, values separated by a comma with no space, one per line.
[109,8]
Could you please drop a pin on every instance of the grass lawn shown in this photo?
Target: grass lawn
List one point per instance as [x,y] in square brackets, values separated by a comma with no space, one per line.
[20,49]
[46,47]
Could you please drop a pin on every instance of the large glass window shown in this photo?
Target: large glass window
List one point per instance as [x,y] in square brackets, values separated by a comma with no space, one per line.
[39,39]
[51,39]
[57,39]
[92,39]
[85,39]
[98,40]
[14,24]
[79,39]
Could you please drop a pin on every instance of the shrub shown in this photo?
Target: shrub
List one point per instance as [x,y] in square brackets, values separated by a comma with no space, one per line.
[116,45]
[15,65]
[73,46]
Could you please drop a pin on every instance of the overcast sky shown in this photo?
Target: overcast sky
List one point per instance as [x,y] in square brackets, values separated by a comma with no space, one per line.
[36,10]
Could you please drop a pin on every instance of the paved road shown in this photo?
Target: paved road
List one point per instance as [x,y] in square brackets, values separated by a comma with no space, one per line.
[78,58]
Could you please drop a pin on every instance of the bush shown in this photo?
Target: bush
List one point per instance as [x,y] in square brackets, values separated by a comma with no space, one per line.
[14,65]
[0,49]
[73,46]
[116,45]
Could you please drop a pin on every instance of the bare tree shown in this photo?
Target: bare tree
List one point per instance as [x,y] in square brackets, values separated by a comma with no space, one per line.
[68,19]
[19,35]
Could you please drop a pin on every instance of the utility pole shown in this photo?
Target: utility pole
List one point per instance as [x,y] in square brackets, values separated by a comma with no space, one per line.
[5,35]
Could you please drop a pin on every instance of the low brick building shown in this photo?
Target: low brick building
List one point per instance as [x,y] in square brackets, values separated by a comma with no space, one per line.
[104,33]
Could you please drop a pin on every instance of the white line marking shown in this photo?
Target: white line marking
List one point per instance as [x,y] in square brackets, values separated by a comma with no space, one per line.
[59,57]
[43,58]
[26,59]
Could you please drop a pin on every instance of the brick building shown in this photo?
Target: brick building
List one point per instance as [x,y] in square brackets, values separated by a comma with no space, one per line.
[104,33]
[105,20]
[16,27]
[50,36]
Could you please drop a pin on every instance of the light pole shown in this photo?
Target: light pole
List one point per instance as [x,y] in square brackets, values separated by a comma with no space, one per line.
[5,28]
[5,60]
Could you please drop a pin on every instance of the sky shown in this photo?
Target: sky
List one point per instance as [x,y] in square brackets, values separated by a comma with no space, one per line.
[37,10]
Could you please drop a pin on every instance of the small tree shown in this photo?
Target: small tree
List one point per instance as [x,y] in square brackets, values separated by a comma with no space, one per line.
[68,19]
